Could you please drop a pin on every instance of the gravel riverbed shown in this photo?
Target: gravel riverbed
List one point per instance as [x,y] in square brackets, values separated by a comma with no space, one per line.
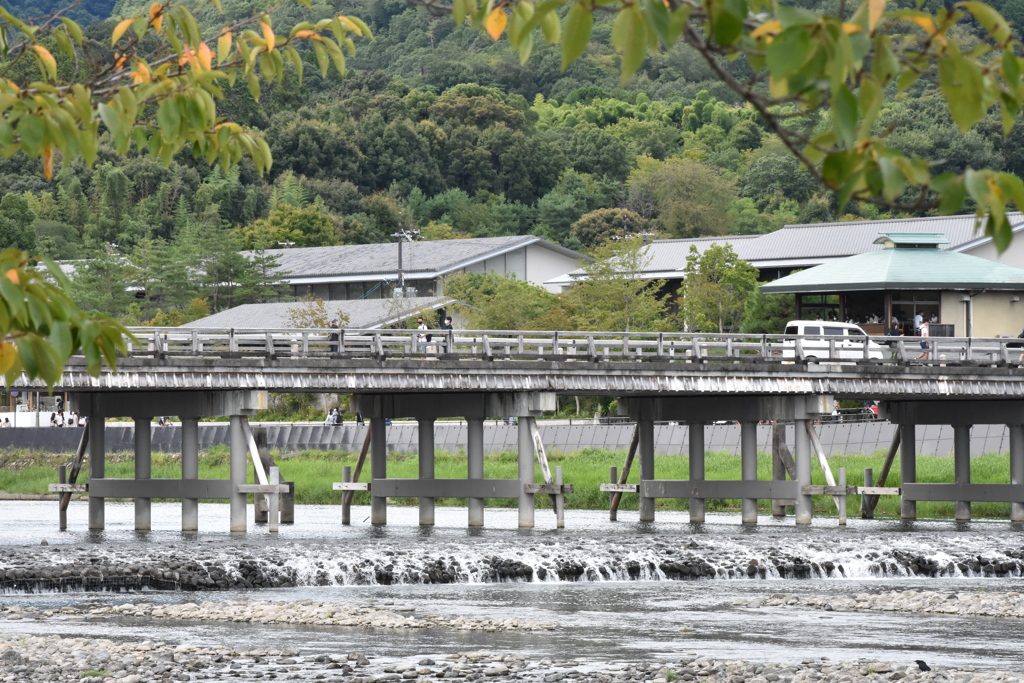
[51,659]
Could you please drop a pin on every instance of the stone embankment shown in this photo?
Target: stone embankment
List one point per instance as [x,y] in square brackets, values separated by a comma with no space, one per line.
[1005,605]
[50,659]
[306,612]
[230,567]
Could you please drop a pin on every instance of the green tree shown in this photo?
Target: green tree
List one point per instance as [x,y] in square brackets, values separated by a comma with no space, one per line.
[101,284]
[775,175]
[684,197]
[488,301]
[611,293]
[16,218]
[715,290]
[598,226]
[767,313]
[308,226]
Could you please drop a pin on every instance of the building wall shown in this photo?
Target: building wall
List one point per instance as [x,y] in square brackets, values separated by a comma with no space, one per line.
[994,314]
[542,265]
[1013,256]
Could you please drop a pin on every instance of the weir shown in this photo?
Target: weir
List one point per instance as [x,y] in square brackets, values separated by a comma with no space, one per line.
[693,379]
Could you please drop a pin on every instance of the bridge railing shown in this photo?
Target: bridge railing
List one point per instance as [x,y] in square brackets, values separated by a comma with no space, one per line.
[165,342]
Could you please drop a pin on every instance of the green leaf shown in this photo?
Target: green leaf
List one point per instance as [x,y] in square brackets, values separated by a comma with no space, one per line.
[952,192]
[991,20]
[963,87]
[254,86]
[64,43]
[169,117]
[629,38]
[296,60]
[844,115]
[788,52]
[579,22]
[728,17]
[549,25]
[790,16]
[893,181]
[459,11]
[32,134]
[74,29]
[322,58]
[870,99]
[884,64]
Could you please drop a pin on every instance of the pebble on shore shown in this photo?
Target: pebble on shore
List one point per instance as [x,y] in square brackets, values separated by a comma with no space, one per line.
[979,604]
[52,659]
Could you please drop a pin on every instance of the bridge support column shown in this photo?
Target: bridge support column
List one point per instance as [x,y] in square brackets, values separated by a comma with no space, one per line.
[802,446]
[1017,468]
[239,450]
[143,470]
[526,502]
[378,468]
[696,433]
[97,467]
[908,467]
[189,470]
[426,462]
[475,457]
[645,448]
[962,467]
[748,455]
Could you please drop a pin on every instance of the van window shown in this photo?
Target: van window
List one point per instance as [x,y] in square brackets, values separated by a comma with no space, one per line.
[835,331]
[792,329]
[812,329]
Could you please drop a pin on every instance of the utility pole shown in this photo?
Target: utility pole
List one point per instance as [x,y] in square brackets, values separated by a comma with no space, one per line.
[404,234]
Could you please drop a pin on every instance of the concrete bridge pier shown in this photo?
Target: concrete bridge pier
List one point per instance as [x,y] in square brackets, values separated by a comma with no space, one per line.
[1017,470]
[696,446]
[645,449]
[189,472]
[237,471]
[748,454]
[97,466]
[748,411]
[426,467]
[141,406]
[475,488]
[475,466]
[143,469]
[962,467]
[962,415]
[378,469]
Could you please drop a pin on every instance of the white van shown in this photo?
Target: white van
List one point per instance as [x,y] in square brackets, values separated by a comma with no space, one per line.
[818,337]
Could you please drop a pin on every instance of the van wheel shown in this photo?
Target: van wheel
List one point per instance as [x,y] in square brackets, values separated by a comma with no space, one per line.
[810,359]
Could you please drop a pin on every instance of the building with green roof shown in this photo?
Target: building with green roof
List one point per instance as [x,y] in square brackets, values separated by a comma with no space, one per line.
[911,276]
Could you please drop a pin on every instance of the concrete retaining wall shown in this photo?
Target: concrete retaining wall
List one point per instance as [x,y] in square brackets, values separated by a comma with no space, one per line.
[836,438]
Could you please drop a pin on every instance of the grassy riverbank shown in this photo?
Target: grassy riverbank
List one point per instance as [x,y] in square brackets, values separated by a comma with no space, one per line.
[315,471]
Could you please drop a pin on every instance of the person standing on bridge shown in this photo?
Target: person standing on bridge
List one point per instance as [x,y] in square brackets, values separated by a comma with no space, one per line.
[422,338]
[333,336]
[447,327]
[923,332]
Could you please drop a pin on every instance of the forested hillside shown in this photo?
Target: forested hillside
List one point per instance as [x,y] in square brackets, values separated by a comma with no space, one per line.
[442,127]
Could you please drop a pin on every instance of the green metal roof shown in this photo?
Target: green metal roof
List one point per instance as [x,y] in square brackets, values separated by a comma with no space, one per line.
[902,269]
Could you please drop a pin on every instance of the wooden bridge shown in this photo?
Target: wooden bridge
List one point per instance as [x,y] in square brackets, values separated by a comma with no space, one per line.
[691,378]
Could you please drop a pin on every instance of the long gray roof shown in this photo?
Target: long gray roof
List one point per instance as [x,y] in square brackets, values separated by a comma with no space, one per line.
[441,256]
[363,314]
[809,245]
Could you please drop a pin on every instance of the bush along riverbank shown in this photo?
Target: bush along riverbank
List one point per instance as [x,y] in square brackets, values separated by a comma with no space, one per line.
[26,473]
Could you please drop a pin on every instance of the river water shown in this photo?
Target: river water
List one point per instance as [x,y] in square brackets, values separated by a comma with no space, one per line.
[598,619]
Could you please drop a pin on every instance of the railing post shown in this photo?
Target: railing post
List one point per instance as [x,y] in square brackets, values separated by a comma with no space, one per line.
[865,508]
[613,512]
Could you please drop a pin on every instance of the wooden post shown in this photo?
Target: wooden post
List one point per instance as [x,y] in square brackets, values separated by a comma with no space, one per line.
[842,497]
[617,496]
[274,508]
[76,467]
[778,468]
[612,511]
[822,460]
[346,497]
[890,457]
[346,500]
[866,509]
[62,513]
[559,500]
[542,460]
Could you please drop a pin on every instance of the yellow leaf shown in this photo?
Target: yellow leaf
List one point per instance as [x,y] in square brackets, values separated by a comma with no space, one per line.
[350,25]
[48,162]
[223,47]
[154,10]
[851,28]
[313,35]
[773,27]
[47,59]
[12,275]
[142,74]
[926,23]
[8,356]
[268,34]
[119,30]
[876,9]
[496,22]
[205,56]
